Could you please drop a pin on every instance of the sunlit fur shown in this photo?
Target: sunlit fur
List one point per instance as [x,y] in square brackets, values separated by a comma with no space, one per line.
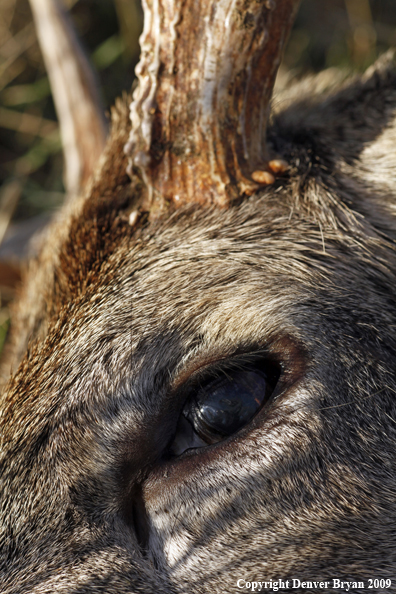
[112,322]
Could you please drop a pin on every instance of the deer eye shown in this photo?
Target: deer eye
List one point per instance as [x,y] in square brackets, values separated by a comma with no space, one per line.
[220,407]
[226,404]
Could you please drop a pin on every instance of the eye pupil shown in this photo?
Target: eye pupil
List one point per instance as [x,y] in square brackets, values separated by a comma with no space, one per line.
[226,404]
[221,405]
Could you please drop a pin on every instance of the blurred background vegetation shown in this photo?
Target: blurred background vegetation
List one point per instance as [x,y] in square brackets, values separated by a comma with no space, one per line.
[343,33]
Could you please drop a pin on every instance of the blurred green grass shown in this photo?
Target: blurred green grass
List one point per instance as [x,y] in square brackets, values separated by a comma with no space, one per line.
[30,148]
[344,33]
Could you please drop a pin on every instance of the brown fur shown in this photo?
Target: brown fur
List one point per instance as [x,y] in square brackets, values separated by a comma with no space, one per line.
[113,322]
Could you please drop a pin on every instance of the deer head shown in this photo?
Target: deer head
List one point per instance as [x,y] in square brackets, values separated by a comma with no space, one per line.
[202,388]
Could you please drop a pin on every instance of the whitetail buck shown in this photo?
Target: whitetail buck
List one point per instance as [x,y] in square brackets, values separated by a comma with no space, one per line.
[203,357]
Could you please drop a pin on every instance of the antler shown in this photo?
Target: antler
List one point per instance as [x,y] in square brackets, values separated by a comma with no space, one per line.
[200,112]
[75,93]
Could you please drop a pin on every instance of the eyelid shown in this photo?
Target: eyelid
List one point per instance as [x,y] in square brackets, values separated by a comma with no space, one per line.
[204,366]
[196,368]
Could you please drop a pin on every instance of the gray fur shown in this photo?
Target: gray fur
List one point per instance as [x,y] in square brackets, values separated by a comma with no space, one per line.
[117,318]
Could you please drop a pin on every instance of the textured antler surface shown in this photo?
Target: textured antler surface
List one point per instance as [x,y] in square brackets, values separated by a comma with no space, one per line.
[200,111]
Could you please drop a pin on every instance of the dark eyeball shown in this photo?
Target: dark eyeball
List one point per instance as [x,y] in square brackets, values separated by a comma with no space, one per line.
[222,405]
[226,404]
